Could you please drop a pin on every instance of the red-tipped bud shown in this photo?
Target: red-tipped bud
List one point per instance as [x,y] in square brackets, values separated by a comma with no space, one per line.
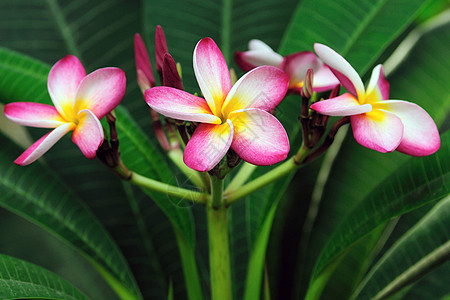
[307,89]
[160,48]
[335,91]
[170,74]
[145,76]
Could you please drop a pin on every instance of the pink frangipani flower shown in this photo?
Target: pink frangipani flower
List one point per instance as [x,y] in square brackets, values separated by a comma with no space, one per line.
[230,116]
[379,124]
[295,65]
[80,102]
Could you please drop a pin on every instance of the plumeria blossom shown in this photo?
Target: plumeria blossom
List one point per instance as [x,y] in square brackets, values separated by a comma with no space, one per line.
[295,65]
[80,102]
[229,116]
[379,124]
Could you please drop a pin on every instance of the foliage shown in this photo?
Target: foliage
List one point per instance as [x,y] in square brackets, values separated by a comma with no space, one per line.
[140,245]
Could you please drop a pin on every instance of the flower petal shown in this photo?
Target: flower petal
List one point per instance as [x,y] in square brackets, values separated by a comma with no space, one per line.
[241,61]
[380,130]
[378,85]
[145,76]
[259,138]
[63,81]
[101,91]
[324,79]
[33,114]
[260,54]
[297,64]
[42,145]
[263,88]
[212,73]
[177,104]
[208,145]
[420,134]
[348,77]
[343,105]
[88,135]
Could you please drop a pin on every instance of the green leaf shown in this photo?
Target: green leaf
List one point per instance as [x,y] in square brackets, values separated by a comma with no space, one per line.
[14,70]
[359,170]
[423,247]
[140,155]
[20,279]
[37,194]
[418,182]
[22,78]
[358,30]
[319,21]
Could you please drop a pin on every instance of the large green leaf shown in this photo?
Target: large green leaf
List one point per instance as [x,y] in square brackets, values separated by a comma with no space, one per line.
[358,30]
[133,141]
[415,184]
[415,253]
[23,280]
[185,23]
[300,38]
[359,170]
[37,194]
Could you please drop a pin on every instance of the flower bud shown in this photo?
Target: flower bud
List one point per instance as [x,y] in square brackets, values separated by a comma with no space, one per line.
[145,76]
[170,74]
[160,48]
[307,88]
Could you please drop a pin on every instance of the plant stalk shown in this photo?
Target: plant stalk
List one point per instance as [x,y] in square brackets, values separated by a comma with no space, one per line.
[219,250]
[157,186]
[274,174]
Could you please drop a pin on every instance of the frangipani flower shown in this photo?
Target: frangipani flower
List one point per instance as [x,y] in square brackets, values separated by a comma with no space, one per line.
[379,124]
[295,65]
[230,116]
[80,102]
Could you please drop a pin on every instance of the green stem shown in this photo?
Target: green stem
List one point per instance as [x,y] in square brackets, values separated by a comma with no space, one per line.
[160,187]
[274,174]
[190,271]
[216,191]
[242,175]
[219,249]
[219,253]
[176,156]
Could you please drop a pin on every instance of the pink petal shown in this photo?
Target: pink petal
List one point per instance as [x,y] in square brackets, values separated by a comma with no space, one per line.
[297,64]
[208,145]
[101,91]
[343,105]
[348,77]
[42,145]
[212,73]
[263,88]
[242,62]
[145,76]
[324,79]
[420,134]
[378,85]
[177,104]
[160,48]
[260,54]
[63,81]
[259,138]
[33,114]
[88,135]
[379,130]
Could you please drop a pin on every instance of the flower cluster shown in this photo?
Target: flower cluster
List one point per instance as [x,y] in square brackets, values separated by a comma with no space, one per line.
[228,117]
